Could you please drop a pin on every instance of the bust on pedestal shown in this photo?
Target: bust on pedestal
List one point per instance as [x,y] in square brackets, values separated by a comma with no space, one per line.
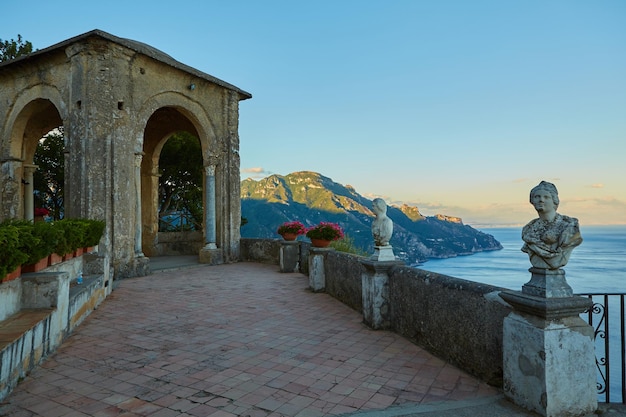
[549,358]
[375,278]
[382,229]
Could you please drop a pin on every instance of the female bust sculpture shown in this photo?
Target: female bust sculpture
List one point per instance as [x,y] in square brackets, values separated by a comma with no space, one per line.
[382,226]
[549,239]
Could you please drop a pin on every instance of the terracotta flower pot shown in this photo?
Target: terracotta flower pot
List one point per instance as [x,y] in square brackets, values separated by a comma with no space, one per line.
[17,272]
[78,252]
[289,236]
[68,256]
[54,259]
[320,243]
[38,266]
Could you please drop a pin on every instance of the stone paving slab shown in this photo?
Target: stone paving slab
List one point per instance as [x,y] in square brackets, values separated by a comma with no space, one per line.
[233,340]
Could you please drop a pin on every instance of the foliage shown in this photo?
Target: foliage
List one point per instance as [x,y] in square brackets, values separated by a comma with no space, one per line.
[295,228]
[24,242]
[11,255]
[180,183]
[13,49]
[49,178]
[48,236]
[29,242]
[325,231]
[94,231]
[346,244]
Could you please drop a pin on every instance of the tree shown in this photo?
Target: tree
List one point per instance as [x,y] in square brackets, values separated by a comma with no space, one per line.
[13,49]
[180,183]
[50,176]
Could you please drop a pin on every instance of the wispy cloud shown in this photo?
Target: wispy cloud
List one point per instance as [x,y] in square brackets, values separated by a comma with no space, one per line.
[255,172]
[597,185]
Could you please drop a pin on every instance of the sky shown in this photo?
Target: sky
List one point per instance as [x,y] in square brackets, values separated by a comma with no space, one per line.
[457,107]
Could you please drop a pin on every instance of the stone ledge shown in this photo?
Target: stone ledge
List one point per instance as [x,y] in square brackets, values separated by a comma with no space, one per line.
[15,326]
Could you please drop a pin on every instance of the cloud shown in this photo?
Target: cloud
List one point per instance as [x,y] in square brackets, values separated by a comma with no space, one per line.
[597,185]
[255,172]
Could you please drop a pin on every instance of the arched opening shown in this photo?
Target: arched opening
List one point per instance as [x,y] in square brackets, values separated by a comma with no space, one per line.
[180,184]
[49,177]
[171,185]
[38,121]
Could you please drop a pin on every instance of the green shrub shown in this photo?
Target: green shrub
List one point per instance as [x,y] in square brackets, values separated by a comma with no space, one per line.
[64,244]
[11,255]
[95,229]
[346,244]
[49,236]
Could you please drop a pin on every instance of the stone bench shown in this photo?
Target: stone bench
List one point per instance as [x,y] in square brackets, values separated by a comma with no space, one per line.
[24,341]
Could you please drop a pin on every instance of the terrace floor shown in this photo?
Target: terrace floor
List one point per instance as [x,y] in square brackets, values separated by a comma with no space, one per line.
[240,340]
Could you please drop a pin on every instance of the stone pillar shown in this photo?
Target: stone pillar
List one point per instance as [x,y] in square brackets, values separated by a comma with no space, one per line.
[210,253]
[317,276]
[549,357]
[289,256]
[10,188]
[375,293]
[138,222]
[209,216]
[29,189]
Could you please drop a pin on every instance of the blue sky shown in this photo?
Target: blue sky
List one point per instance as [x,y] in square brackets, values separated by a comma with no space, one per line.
[456,107]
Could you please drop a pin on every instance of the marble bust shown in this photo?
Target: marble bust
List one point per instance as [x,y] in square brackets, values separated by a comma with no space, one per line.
[382,226]
[549,239]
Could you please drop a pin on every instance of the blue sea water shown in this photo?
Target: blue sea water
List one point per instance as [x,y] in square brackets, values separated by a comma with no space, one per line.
[597,265]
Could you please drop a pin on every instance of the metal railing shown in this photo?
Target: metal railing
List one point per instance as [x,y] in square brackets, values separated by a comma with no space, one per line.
[607,317]
[177,221]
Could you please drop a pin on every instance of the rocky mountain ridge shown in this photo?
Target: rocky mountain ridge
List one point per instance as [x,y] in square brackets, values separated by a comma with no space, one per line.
[310,197]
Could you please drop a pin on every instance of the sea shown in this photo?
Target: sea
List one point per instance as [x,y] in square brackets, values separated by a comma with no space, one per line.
[598,265]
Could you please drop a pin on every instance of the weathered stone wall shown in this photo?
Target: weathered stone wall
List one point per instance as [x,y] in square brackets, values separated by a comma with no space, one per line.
[265,251]
[460,321]
[178,243]
[343,278]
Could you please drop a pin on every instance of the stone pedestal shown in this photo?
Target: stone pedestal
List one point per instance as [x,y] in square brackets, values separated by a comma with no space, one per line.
[547,283]
[289,256]
[548,350]
[211,256]
[317,276]
[383,253]
[375,293]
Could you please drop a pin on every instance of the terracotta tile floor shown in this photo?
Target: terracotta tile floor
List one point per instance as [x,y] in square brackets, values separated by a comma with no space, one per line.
[231,340]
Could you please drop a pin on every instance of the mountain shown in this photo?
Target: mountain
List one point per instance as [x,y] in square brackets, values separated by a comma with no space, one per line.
[311,198]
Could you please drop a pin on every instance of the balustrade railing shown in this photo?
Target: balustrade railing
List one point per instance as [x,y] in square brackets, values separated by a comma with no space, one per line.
[607,317]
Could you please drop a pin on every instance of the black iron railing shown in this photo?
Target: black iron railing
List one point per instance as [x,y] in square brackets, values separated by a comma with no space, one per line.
[607,317]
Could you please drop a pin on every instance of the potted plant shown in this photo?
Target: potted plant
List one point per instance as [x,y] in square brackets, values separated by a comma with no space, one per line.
[48,237]
[94,230]
[64,244]
[291,230]
[11,256]
[322,234]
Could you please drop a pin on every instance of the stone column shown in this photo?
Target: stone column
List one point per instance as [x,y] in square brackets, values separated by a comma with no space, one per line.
[289,256]
[317,276]
[210,253]
[29,189]
[549,357]
[209,216]
[375,293]
[138,222]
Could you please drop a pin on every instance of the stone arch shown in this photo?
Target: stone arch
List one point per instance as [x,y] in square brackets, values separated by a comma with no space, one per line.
[163,115]
[36,111]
